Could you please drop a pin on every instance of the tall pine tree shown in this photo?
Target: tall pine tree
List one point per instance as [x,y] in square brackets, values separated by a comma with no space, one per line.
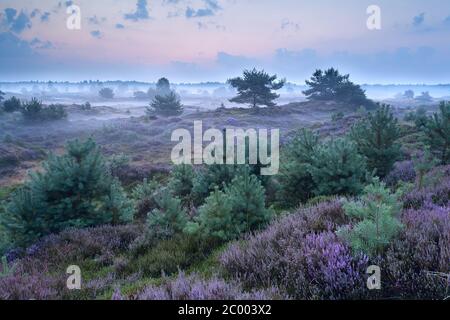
[296,183]
[375,136]
[437,130]
[255,88]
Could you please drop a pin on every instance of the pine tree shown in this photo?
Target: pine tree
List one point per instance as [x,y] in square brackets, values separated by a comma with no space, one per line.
[165,105]
[215,219]
[12,104]
[118,205]
[74,190]
[423,163]
[376,216]
[208,179]
[168,218]
[255,88]
[181,181]
[32,110]
[296,183]
[331,85]
[337,168]
[247,201]
[375,137]
[144,195]
[163,87]
[437,130]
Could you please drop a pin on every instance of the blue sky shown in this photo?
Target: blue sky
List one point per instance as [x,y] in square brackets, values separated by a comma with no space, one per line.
[211,40]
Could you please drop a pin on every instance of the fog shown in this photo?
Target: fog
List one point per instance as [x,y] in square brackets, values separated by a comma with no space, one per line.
[202,95]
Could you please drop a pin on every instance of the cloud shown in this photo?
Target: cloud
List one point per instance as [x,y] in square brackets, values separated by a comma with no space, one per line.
[34,13]
[210,9]
[39,44]
[286,24]
[95,20]
[45,16]
[419,20]
[191,13]
[15,22]
[213,4]
[13,47]
[210,24]
[141,12]
[18,56]
[119,26]
[97,34]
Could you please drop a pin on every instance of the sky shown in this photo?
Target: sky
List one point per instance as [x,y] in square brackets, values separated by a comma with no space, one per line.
[212,40]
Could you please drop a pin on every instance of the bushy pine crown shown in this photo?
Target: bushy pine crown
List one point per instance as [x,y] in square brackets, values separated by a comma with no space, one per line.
[337,168]
[74,190]
[376,219]
[437,130]
[375,136]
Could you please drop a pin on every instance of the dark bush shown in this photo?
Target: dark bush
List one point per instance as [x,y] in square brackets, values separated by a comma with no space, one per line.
[74,190]
[12,104]
[106,93]
[35,111]
[166,105]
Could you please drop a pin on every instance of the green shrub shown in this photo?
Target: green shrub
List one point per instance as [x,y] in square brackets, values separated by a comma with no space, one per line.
[73,190]
[338,169]
[247,200]
[144,196]
[118,205]
[181,181]
[54,112]
[35,111]
[209,178]
[169,217]
[376,219]
[165,105]
[215,218]
[375,137]
[12,104]
[106,93]
[296,183]
[31,110]
[241,208]
[437,130]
